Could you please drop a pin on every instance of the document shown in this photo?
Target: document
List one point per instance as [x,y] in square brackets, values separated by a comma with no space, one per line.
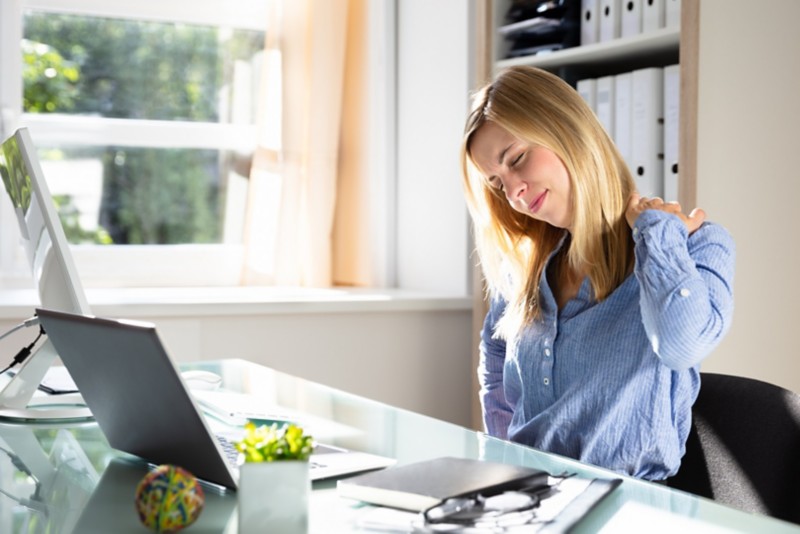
[587,88]
[623,94]
[604,105]
[418,486]
[236,409]
[653,13]
[568,502]
[671,127]
[672,16]
[647,131]
[631,23]
[590,21]
[610,18]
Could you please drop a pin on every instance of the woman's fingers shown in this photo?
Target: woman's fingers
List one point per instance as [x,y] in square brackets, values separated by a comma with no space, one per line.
[695,219]
[637,204]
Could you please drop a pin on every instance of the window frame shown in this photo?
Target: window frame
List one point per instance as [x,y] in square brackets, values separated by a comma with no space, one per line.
[132,266]
[384,218]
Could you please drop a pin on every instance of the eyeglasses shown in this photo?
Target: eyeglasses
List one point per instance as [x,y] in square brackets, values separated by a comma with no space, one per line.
[494,513]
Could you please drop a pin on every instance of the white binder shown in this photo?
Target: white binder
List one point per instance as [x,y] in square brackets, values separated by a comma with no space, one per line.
[604,103]
[587,88]
[610,13]
[647,130]
[631,23]
[623,99]
[653,13]
[590,21]
[672,13]
[671,128]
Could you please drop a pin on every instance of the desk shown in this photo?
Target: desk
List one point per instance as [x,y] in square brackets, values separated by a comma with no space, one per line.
[66,477]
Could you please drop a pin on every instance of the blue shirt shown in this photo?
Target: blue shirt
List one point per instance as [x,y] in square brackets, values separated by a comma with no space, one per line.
[612,383]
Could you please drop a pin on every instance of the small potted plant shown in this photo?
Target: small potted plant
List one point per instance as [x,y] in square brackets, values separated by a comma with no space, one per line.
[273,479]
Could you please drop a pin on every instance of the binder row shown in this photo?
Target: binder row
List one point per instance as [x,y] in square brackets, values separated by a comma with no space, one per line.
[640,112]
[605,20]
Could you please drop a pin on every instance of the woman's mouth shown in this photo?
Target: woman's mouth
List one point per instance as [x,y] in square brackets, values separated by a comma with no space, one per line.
[537,202]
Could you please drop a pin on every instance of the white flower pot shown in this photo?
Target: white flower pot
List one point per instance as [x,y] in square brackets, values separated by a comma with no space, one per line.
[273,497]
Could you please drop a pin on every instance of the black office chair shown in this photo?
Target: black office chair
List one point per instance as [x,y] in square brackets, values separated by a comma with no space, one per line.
[744,446]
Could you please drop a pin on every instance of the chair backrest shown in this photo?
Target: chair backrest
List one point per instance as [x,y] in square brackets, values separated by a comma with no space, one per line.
[744,447]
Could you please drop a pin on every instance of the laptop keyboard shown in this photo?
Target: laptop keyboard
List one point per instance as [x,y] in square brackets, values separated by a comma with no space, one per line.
[229,450]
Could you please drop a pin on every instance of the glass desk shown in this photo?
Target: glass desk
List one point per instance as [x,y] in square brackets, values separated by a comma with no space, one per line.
[64,478]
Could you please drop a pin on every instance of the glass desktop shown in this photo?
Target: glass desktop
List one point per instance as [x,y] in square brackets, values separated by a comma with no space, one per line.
[65,478]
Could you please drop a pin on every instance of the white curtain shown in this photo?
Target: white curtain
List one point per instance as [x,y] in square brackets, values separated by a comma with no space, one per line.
[293,181]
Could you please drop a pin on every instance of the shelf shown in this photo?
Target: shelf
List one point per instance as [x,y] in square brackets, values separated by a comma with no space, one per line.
[662,42]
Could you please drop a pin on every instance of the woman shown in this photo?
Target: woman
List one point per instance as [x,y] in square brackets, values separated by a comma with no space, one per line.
[603,304]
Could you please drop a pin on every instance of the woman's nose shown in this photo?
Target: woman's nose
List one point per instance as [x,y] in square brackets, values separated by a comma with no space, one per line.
[514,187]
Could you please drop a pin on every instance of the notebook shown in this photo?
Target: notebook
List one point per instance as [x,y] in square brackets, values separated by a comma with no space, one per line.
[420,485]
[143,407]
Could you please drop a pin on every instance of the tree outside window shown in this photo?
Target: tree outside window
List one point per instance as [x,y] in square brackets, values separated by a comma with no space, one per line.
[123,69]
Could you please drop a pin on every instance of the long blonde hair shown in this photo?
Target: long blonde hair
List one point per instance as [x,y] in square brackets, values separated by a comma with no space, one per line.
[541,109]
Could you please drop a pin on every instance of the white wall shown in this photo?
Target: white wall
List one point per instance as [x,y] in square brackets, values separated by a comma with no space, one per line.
[434,77]
[749,176]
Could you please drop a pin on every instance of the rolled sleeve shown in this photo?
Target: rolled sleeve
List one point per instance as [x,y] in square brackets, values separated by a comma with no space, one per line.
[686,286]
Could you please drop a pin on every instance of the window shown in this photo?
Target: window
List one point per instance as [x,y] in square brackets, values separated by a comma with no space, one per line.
[143,114]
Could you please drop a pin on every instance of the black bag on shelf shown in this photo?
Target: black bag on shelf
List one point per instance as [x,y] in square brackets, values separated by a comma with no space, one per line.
[534,26]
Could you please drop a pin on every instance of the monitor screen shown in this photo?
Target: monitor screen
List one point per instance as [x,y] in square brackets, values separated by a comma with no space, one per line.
[54,274]
[43,238]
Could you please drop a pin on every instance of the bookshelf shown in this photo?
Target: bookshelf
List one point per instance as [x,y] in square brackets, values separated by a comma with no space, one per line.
[650,48]
[657,48]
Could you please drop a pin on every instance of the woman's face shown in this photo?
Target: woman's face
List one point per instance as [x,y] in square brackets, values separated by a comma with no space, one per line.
[532,178]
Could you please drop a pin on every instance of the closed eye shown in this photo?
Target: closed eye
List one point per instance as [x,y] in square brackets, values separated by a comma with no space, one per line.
[517,159]
[496,183]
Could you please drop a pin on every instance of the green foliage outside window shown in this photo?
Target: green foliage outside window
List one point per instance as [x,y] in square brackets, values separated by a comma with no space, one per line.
[49,79]
[141,70]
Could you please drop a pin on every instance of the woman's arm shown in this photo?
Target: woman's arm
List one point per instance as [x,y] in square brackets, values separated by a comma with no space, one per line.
[496,411]
[685,273]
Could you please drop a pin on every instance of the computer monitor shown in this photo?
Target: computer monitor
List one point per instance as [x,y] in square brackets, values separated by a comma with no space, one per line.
[54,273]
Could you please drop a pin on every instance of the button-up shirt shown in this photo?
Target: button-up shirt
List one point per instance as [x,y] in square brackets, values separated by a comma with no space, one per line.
[612,383]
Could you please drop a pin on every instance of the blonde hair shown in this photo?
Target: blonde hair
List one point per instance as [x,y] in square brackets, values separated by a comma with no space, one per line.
[541,109]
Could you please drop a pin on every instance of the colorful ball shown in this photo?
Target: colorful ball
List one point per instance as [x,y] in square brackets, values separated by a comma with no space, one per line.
[168,499]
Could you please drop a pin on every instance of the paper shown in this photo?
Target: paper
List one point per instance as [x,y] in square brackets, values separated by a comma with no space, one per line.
[372,519]
[57,380]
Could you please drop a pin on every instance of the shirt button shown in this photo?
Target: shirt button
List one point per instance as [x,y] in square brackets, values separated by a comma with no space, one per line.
[685,292]
[547,352]
[546,381]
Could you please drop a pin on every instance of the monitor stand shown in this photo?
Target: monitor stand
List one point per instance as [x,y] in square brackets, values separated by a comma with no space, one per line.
[18,403]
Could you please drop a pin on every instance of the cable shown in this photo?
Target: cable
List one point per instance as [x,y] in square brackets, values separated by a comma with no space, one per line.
[24,352]
[31,321]
[34,501]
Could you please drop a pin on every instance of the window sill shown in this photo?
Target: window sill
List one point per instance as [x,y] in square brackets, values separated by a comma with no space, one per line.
[232,301]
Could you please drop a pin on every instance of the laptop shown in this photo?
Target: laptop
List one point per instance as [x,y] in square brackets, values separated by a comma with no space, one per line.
[143,406]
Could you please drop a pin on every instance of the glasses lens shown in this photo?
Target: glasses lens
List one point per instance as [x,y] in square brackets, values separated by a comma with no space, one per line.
[479,510]
[448,508]
[509,502]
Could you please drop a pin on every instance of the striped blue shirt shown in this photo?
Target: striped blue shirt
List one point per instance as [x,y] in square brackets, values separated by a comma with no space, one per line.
[612,383]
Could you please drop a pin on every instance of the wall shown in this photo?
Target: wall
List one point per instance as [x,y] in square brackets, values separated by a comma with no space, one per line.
[434,77]
[749,177]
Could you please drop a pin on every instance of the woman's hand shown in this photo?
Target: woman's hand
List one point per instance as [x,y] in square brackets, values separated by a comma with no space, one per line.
[637,204]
